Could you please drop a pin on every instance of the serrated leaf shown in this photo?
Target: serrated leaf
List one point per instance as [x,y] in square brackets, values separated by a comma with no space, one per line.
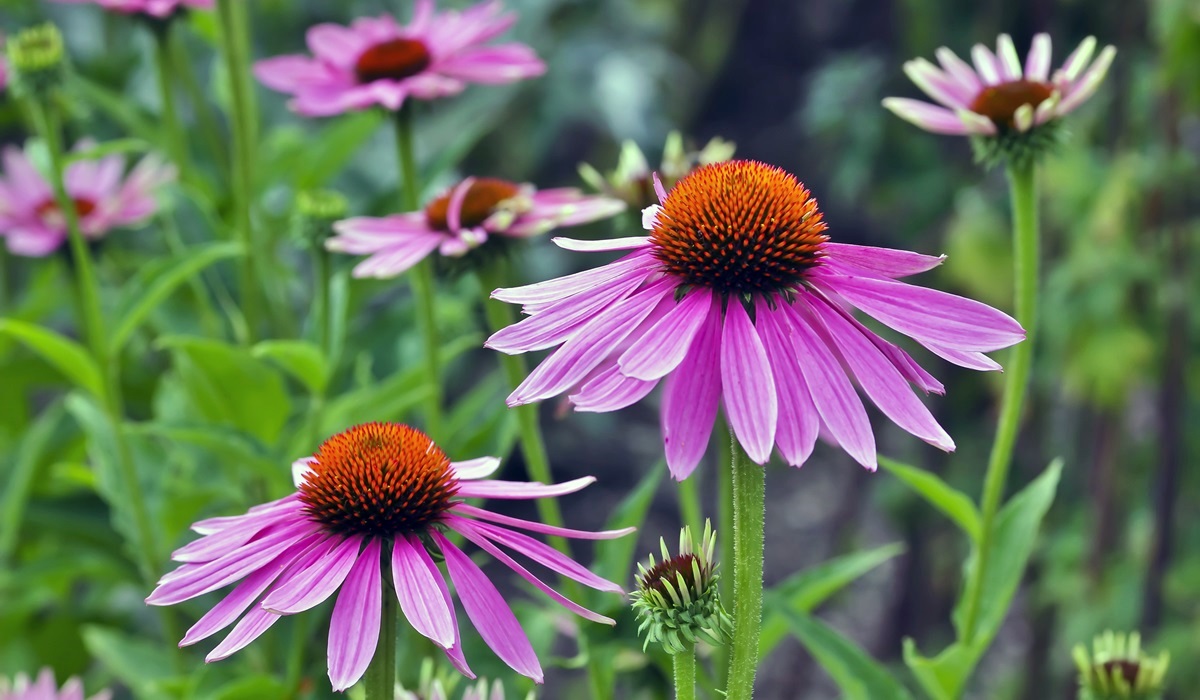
[300,359]
[148,294]
[951,502]
[66,355]
[857,675]
[805,590]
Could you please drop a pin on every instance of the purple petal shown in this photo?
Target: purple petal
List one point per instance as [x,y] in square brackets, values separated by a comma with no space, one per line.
[610,390]
[570,285]
[841,411]
[245,631]
[464,528]
[938,120]
[354,625]
[962,358]
[929,315]
[335,557]
[799,422]
[483,514]
[415,577]
[488,612]
[545,555]
[888,262]
[564,319]
[477,468]
[602,245]
[1037,63]
[664,346]
[691,399]
[881,381]
[747,384]
[495,488]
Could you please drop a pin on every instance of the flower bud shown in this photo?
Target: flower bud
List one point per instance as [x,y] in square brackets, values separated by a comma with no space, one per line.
[677,601]
[1118,669]
[633,181]
[316,211]
[36,57]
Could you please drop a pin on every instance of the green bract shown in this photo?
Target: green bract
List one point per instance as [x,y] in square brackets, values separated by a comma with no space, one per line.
[1118,669]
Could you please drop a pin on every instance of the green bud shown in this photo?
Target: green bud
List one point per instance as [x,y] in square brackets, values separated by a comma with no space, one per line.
[1011,145]
[315,213]
[36,56]
[1118,669]
[632,180]
[677,602]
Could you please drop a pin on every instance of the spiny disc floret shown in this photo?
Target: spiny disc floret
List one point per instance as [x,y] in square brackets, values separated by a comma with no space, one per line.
[739,227]
[378,479]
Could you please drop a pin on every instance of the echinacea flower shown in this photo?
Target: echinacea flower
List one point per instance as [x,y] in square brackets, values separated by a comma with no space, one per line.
[633,181]
[462,219]
[375,488]
[1119,669]
[376,61]
[677,601]
[999,95]
[32,223]
[152,8]
[737,297]
[44,688]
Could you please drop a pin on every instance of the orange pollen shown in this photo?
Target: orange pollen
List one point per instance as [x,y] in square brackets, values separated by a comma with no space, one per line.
[83,207]
[670,570]
[396,59]
[739,227]
[483,196]
[1001,102]
[378,479]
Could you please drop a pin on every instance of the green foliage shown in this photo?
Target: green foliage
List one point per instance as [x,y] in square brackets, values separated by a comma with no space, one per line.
[857,675]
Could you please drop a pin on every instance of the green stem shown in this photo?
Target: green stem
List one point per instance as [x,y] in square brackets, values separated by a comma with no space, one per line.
[533,448]
[724,541]
[237,67]
[420,277]
[321,304]
[181,68]
[380,679]
[689,503]
[685,674]
[1022,181]
[172,129]
[749,497]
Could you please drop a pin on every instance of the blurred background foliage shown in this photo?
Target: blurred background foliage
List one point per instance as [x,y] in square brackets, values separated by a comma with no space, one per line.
[1117,381]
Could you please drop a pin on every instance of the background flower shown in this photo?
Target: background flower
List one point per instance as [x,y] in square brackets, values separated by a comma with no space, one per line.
[154,8]
[376,61]
[44,688]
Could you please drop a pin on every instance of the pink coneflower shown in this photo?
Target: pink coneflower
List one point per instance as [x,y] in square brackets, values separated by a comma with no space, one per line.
[737,297]
[44,688]
[375,486]
[462,219]
[997,96]
[31,221]
[153,8]
[376,61]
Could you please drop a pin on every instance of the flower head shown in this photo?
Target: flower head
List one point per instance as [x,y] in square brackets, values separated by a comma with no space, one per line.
[633,181]
[153,8]
[677,599]
[998,98]
[316,212]
[375,488]
[31,221]
[44,688]
[738,297]
[1118,669]
[466,216]
[376,61]
[36,57]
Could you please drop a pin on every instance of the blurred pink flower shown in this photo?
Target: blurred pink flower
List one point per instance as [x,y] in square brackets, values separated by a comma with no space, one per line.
[996,95]
[738,298]
[44,688]
[461,219]
[33,225]
[154,8]
[374,485]
[376,61]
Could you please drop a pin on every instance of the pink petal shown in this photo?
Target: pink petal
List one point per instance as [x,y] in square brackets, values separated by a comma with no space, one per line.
[664,346]
[888,262]
[962,358]
[483,514]
[488,611]
[562,321]
[747,384]
[1037,63]
[799,422]
[354,625]
[545,555]
[521,490]
[610,390]
[245,631]
[691,399]
[938,120]
[415,577]
[335,44]
[335,558]
[602,245]
[570,285]
[477,468]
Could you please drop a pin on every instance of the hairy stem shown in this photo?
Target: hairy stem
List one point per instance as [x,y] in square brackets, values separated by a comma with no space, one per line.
[749,522]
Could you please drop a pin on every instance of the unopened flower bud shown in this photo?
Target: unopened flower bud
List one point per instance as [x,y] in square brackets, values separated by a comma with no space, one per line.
[633,181]
[677,601]
[1118,669]
[316,211]
[36,57]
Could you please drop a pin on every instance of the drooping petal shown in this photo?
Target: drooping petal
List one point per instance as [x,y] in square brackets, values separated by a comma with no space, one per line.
[323,577]
[888,262]
[664,346]
[415,577]
[799,422]
[610,390]
[478,468]
[488,611]
[354,625]
[545,555]
[247,629]
[519,490]
[747,384]
[570,285]
[558,324]
[691,399]
[963,358]
[533,526]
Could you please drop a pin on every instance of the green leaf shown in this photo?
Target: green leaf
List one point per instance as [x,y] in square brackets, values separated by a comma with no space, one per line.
[227,386]
[108,148]
[805,590]
[614,558]
[233,447]
[65,354]
[942,677]
[148,294]
[117,107]
[299,358]
[857,675]
[308,159]
[143,666]
[20,483]
[953,503]
[1017,526]
[253,688]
